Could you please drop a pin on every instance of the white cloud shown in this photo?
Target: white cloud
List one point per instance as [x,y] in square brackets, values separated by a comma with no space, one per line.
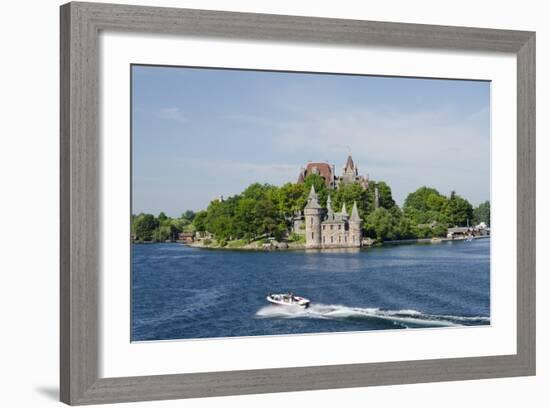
[230,169]
[407,150]
[248,119]
[382,136]
[172,114]
[190,182]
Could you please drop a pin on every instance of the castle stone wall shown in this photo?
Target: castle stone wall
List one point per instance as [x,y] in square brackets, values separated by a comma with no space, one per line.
[334,235]
[355,234]
[328,229]
[313,227]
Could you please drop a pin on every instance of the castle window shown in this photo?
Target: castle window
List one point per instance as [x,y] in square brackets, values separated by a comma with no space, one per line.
[339,239]
[331,240]
[346,238]
[339,227]
[323,240]
[331,226]
[324,227]
[312,235]
[311,223]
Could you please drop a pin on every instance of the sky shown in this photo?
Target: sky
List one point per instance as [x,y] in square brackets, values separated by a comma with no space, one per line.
[200,133]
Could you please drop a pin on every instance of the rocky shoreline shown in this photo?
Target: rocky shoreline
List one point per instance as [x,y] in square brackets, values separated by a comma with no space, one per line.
[253,246]
[286,246]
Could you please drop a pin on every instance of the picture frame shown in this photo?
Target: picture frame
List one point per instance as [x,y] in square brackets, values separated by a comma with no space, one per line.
[81,24]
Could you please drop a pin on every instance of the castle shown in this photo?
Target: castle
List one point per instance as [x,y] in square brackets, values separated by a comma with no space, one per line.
[329,229]
[350,174]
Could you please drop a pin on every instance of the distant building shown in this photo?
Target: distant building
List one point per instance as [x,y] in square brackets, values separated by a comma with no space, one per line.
[350,174]
[459,232]
[325,170]
[481,226]
[466,232]
[187,237]
[329,229]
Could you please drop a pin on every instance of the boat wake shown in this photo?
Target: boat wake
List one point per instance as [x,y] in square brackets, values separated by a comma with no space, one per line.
[399,318]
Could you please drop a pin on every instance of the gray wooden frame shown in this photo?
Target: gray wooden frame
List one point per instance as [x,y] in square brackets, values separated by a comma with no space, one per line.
[80,158]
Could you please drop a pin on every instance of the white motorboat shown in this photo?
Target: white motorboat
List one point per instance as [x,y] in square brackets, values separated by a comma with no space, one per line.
[288,299]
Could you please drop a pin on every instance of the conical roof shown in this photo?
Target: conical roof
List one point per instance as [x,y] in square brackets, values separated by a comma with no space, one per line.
[349,163]
[350,167]
[312,200]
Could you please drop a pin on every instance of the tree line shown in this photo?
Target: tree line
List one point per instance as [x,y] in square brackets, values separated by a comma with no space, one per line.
[264,210]
[148,228]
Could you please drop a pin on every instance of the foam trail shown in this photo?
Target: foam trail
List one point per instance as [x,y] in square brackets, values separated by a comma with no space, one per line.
[406,317]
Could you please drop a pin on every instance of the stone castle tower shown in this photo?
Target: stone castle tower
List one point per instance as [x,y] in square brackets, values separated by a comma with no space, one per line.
[313,214]
[355,231]
[330,229]
[349,172]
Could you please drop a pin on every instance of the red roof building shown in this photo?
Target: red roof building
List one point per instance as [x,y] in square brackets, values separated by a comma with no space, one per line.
[325,170]
[350,174]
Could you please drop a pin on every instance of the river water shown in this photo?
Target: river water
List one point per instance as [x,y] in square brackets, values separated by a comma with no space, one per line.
[180,292]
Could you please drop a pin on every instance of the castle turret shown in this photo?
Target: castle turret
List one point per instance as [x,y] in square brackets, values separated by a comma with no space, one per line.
[350,171]
[313,215]
[355,232]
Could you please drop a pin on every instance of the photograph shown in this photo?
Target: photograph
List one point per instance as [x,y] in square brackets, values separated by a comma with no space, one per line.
[273,204]
[268,203]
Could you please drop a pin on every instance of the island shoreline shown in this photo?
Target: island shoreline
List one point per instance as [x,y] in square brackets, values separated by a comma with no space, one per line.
[302,247]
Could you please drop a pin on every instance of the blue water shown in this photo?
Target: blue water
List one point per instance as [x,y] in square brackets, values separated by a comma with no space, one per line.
[180,292]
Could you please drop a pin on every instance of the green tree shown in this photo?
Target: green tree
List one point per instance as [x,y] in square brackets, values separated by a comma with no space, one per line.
[404,227]
[219,220]
[385,198]
[162,233]
[258,213]
[264,210]
[292,198]
[257,191]
[143,227]
[272,223]
[349,194]
[482,213]
[175,227]
[389,224]
[188,215]
[318,183]
[247,219]
[381,225]
[426,205]
[199,221]
[458,210]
